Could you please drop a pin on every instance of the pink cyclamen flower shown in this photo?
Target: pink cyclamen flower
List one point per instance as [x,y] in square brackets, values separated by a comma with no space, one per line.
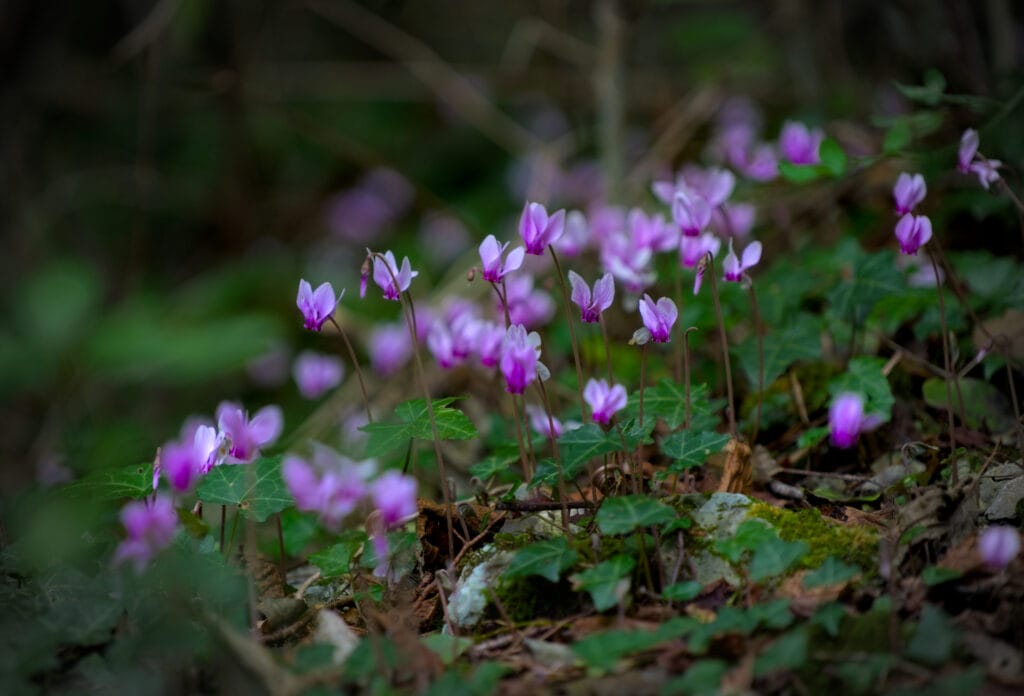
[846,420]
[494,269]
[540,422]
[693,249]
[908,192]
[691,212]
[912,232]
[538,230]
[734,220]
[998,546]
[650,231]
[986,171]
[389,277]
[316,373]
[394,496]
[968,149]
[592,304]
[317,307]
[488,338]
[576,235]
[186,461]
[520,353]
[733,268]
[604,400]
[149,527]
[658,317]
[527,306]
[800,144]
[245,437]
[331,486]
[389,348]
[629,265]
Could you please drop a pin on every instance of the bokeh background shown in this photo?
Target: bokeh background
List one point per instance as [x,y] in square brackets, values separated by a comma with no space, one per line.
[169,169]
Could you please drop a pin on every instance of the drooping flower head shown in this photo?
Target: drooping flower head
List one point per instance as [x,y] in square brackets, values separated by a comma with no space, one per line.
[540,422]
[693,249]
[968,149]
[604,400]
[733,268]
[538,230]
[846,419]
[245,437]
[576,236]
[691,212]
[316,306]
[316,373]
[658,317]
[998,546]
[733,220]
[987,171]
[389,277]
[520,353]
[149,527]
[186,461]
[912,232]
[394,496]
[799,144]
[629,265]
[592,304]
[908,192]
[331,486]
[650,231]
[494,269]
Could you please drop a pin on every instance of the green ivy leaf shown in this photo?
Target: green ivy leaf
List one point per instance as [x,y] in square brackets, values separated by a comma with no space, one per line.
[829,617]
[833,159]
[984,405]
[812,436]
[579,446]
[864,376]
[787,652]
[547,559]
[871,278]
[414,423]
[682,591]
[623,514]
[799,173]
[134,481]
[896,138]
[749,535]
[667,401]
[603,581]
[690,449]
[799,340]
[774,556]
[936,575]
[256,487]
[832,572]
[337,560]
[497,463]
[702,678]
[601,651]
[935,638]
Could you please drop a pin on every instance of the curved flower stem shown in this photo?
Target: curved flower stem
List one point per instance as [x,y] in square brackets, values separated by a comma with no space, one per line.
[950,375]
[527,471]
[731,406]
[355,367]
[607,347]
[558,457]
[502,294]
[758,331]
[572,331]
[686,372]
[677,349]
[643,380]
[408,309]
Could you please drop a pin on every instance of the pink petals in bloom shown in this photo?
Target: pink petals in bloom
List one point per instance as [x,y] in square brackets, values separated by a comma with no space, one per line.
[389,277]
[799,144]
[969,160]
[846,420]
[912,232]
[658,317]
[908,192]
[245,437]
[316,373]
[968,149]
[186,461]
[520,353]
[494,269]
[733,268]
[150,527]
[691,212]
[998,546]
[538,230]
[331,486]
[605,401]
[394,497]
[592,304]
[316,306]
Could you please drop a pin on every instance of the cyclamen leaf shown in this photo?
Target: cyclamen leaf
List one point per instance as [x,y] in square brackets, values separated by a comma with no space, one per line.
[114,484]
[864,376]
[984,404]
[872,277]
[690,449]
[623,514]
[602,650]
[833,159]
[799,340]
[547,559]
[832,572]
[667,401]
[414,423]
[337,560]
[256,487]
[579,446]
[749,535]
[787,652]
[603,581]
[935,638]
[774,557]
[799,173]
[682,591]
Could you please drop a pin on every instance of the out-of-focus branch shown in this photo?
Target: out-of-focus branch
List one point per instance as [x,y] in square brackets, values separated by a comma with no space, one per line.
[609,86]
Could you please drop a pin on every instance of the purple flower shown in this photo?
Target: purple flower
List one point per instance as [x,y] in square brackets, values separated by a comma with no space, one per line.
[998,546]
[538,230]
[490,256]
[245,437]
[331,486]
[526,306]
[714,184]
[442,347]
[389,348]
[605,401]
[691,212]
[912,232]
[799,144]
[317,307]
[394,496]
[733,219]
[762,165]
[629,265]
[149,527]
[846,420]
[734,268]
[520,353]
[540,423]
[386,272]
[591,304]
[987,171]
[489,337]
[908,192]
[576,236]
[693,249]
[316,373]
[968,149]
[650,231]
[658,318]
[186,461]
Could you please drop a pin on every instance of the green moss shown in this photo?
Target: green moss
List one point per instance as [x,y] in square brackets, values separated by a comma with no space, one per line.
[853,544]
[526,599]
